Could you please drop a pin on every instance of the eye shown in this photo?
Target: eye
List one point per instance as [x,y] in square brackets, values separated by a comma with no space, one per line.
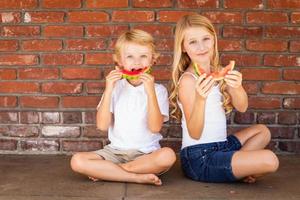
[129,56]
[143,56]
[206,38]
[192,42]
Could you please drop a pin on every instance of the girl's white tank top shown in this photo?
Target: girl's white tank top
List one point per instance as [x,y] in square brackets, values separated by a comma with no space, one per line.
[214,129]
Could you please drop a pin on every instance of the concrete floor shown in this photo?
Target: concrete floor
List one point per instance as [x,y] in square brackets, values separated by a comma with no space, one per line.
[50,177]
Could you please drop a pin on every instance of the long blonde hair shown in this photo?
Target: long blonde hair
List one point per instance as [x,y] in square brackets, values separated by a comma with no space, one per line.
[181,60]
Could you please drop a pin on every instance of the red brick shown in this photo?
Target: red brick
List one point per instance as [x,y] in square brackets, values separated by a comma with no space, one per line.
[62,59]
[266,118]
[63,31]
[10,17]
[14,59]
[266,45]
[40,145]
[87,16]
[8,74]
[107,4]
[291,74]
[8,45]
[289,118]
[171,16]
[242,32]
[62,88]
[242,59]
[295,46]
[39,73]
[95,88]
[224,17]
[264,102]
[281,88]
[80,102]
[42,45]
[105,31]
[8,101]
[61,131]
[81,73]
[281,60]
[244,118]
[8,144]
[295,17]
[8,117]
[24,131]
[250,87]
[21,31]
[29,117]
[38,102]
[254,4]
[85,44]
[164,60]
[44,17]
[18,4]
[156,30]
[197,4]
[292,4]
[99,59]
[83,146]
[49,118]
[266,17]
[290,146]
[161,74]
[152,3]
[72,117]
[260,74]
[230,45]
[133,16]
[93,132]
[164,44]
[61,4]
[19,87]
[291,103]
[282,32]
[282,132]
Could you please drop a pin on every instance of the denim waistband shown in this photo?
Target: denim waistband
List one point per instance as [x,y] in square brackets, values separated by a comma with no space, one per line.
[213,145]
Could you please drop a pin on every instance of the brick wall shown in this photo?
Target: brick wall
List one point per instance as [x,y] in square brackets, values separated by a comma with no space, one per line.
[54,55]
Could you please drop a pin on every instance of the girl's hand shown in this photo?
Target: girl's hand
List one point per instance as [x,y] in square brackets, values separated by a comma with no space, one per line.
[148,81]
[204,86]
[234,79]
[111,79]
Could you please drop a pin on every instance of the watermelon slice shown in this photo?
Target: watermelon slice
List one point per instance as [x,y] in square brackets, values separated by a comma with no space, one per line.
[218,75]
[134,74]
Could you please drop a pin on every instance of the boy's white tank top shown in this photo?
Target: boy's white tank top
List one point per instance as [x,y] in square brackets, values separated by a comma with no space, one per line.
[214,129]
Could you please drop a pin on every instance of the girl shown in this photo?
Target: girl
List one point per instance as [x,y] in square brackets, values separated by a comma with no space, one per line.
[133,112]
[207,154]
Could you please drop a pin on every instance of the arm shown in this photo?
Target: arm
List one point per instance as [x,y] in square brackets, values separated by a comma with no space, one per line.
[236,91]
[154,116]
[192,95]
[104,115]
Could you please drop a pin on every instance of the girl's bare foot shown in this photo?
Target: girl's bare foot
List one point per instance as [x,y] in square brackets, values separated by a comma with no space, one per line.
[249,179]
[149,179]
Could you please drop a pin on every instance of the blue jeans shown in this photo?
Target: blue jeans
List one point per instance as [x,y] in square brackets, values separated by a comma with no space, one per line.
[210,162]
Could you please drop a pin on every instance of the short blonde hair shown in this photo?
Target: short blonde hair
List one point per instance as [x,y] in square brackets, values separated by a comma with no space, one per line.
[135,36]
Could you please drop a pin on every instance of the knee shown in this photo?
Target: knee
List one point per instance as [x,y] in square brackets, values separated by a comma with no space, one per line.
[77,162]
[167,157]
[263,129]
[271,161]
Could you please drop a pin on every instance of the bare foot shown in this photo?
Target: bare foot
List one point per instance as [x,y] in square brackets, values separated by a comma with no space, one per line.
[249,179]
[93,179]
[149,179]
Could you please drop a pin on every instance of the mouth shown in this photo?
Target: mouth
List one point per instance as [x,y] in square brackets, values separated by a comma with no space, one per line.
[134,73]
[202,54]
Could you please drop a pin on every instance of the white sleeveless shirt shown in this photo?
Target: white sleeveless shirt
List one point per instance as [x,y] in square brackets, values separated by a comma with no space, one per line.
[214,129]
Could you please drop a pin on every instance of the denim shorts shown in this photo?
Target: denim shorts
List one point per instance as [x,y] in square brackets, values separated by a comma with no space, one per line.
[210,162]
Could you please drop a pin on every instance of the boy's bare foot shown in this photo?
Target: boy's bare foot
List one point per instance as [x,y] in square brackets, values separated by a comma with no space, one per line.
[149,179]
[93,179]
[249,179]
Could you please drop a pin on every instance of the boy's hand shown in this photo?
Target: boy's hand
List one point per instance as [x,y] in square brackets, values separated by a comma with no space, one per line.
[204,85]
[148,81]
[111,79]
[234,79]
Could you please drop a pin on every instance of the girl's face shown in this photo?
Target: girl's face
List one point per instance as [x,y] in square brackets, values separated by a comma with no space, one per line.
[198,43]
[135,56]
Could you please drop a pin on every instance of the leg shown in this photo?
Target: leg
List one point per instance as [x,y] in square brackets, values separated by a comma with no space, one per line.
[155,162]
[250,163]
[255,137]
[93,165]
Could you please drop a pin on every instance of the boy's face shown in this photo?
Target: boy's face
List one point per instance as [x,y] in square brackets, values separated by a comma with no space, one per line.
[198,43]
[135,56]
